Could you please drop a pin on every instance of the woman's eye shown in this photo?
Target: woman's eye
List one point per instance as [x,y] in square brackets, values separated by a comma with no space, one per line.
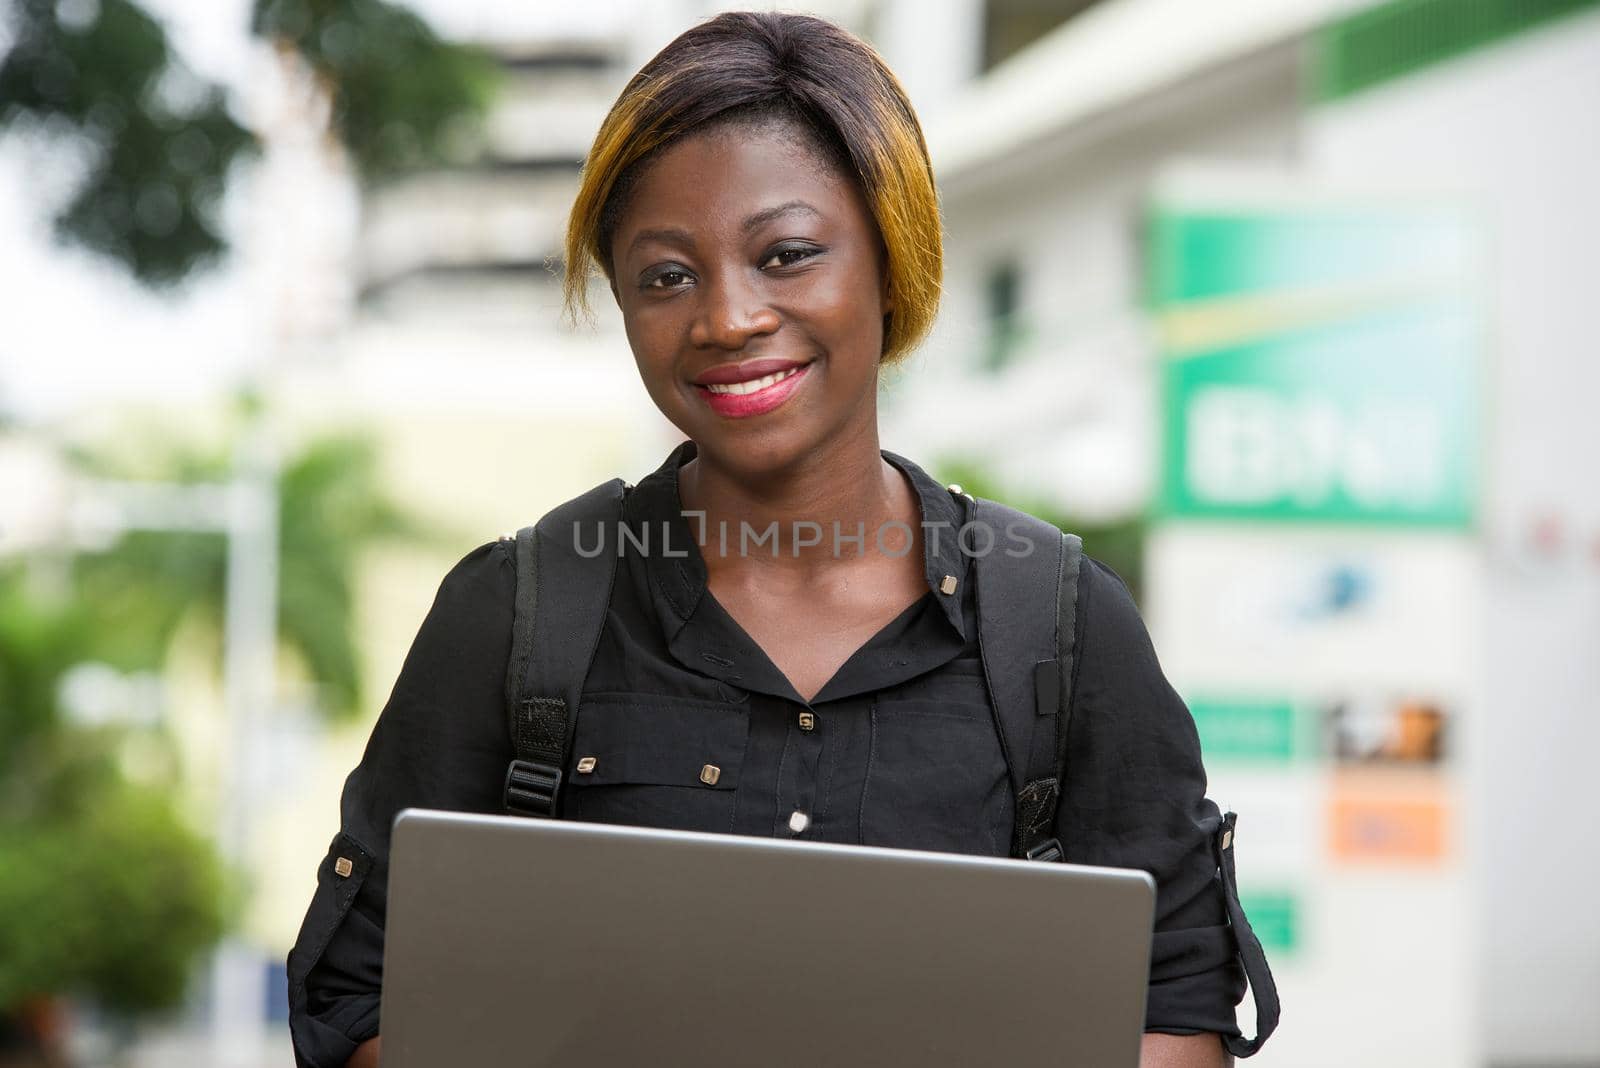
[788,257]
[667,280]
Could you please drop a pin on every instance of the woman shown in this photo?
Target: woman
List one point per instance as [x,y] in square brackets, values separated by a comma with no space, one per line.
[760,201]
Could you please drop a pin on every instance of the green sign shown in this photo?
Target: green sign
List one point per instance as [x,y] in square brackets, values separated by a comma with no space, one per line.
[1274,917]
[1246,731]
[1320,365]
[1371,419]
[1206,254]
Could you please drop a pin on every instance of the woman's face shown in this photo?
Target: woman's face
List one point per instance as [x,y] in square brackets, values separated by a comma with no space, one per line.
[750,277]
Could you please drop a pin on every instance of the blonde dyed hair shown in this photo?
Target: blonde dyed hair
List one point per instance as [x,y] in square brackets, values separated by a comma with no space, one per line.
[765,66]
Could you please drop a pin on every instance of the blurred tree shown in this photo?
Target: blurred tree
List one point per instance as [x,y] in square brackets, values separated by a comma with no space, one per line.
[104,891]
[331,507]
[402,99]
[99,81]
[1119,545]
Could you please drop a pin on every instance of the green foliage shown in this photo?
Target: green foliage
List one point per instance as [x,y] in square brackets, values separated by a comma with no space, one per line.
[99,80]
[331,505]
[116,900]
[37,646]
[401,96]
[156,142]
[104,891]
[1119,545]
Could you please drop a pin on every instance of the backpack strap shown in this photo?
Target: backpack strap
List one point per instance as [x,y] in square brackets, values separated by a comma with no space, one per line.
[1033,702]
[1262,986]
[1030,575]
[562,596]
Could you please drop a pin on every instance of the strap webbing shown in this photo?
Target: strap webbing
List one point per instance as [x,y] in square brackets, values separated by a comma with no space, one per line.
[1052,686]
[1028,666]
[1262,987]
[561,602]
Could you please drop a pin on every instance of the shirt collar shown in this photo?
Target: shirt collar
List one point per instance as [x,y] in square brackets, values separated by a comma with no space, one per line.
[654,511]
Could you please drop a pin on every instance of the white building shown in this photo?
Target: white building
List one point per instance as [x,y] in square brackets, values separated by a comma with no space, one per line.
[1048,365]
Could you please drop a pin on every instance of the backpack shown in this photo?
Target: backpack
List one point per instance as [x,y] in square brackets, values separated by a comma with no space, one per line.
[1027,664]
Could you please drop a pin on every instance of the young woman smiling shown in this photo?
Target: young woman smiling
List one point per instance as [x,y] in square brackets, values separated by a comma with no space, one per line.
[761,203]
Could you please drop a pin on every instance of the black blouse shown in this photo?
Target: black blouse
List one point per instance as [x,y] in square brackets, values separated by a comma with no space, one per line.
[898,748]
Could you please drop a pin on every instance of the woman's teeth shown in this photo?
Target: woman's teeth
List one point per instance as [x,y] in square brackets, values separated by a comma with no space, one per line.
[754,385]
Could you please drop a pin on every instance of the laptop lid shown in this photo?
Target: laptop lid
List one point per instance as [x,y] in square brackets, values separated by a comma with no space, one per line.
[539,942]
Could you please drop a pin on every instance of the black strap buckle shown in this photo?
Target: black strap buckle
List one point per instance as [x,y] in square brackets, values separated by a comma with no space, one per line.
[1048,850]
[1036,810]
[532,789]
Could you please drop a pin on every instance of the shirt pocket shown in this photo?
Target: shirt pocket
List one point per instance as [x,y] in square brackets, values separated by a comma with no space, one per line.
[649,760]
[339,878]
[936,775]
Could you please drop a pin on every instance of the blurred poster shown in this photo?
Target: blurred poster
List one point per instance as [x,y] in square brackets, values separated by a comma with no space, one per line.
[1388,830]
[1378,731]
[1321,361]
[1312,579]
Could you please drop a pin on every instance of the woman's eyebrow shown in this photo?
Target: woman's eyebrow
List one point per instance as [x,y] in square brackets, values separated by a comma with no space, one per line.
[766,215]
[680,238]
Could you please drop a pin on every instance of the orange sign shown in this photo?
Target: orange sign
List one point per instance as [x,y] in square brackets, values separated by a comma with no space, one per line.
[1393,830]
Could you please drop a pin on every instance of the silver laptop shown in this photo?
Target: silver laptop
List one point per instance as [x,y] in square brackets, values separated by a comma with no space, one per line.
[536,942]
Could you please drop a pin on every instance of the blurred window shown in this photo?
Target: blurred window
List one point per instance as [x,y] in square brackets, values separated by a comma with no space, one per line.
[1009,26]
[1006,328]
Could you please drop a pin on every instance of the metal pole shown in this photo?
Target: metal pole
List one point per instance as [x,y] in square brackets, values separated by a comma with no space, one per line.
[239,981]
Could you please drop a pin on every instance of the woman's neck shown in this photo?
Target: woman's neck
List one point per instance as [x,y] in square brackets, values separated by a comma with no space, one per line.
[788,519]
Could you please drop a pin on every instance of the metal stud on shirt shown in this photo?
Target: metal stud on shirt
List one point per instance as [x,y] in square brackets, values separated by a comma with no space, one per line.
[710,774]
[342,867]
[948,584]
[586,765]
[799,821]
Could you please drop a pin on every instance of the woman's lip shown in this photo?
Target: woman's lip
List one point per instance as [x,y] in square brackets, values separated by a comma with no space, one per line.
[728,374]
[742,405]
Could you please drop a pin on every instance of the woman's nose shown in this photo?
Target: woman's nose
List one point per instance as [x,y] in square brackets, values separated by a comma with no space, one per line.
[732,312]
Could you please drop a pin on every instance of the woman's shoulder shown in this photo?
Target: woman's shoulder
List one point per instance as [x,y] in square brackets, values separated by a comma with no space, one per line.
[1021,530]
[487,565]
[478,590]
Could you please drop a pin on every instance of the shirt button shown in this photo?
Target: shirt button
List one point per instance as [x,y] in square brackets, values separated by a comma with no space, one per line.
[808,721]
[799,821]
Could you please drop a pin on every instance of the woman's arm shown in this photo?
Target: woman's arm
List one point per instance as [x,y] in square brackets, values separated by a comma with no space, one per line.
[1175,1051]
[440,742]
[1135,797]
[366,1055]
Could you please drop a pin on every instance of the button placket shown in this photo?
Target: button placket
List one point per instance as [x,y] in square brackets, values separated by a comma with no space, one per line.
[801,768]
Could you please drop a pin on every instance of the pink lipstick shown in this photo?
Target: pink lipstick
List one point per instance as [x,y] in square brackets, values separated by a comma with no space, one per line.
[753,387]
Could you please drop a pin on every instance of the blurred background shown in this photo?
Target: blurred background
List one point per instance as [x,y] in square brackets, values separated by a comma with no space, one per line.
[1285,305]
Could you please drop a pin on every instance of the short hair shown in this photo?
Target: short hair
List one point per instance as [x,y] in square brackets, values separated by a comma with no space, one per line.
[763,66]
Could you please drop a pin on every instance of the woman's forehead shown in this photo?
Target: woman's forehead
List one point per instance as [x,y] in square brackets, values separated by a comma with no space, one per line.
[737,177]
